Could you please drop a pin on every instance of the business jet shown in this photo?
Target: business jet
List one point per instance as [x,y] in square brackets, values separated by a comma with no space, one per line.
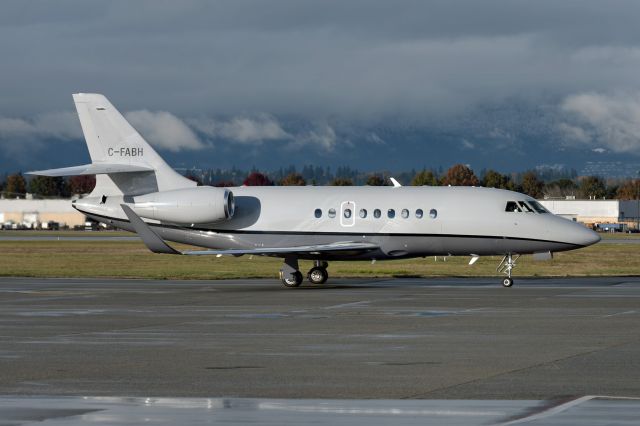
[137,191]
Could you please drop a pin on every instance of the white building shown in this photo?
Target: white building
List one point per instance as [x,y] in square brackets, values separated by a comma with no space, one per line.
[595,211]
[40,211]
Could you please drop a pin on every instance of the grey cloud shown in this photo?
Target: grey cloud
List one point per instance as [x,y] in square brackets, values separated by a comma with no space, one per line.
[357,59]
[322,137]
[612,121]
[245,130]
[58,125]
[364,64]
[573,133]
[256,130]
[164,130]
[18,135]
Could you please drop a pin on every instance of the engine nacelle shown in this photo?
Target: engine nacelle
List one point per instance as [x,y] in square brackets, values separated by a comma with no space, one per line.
[202,204]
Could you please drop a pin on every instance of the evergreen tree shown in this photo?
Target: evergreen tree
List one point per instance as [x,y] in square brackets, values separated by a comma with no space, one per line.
[15,186]
[293,179]
[424,177]
[531,185]
[493,179]
[375,180]
[341,182]
[592,187]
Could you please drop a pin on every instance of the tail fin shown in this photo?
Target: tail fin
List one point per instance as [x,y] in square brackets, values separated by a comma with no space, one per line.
[124,162]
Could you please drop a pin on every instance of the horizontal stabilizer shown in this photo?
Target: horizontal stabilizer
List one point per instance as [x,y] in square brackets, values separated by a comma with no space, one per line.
[93,169]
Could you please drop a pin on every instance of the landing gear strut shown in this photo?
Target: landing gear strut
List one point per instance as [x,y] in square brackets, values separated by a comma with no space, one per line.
[507,264]
[318,274]
[289,273]
[292,277]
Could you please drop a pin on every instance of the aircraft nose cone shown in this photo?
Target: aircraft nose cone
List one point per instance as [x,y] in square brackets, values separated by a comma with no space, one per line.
[586,236]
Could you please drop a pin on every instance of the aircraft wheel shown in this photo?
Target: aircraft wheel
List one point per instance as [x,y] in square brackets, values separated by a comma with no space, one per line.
[318,275]
[293,280]
[507,282]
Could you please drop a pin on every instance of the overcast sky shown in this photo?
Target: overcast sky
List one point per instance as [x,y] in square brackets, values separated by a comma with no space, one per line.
[327,78]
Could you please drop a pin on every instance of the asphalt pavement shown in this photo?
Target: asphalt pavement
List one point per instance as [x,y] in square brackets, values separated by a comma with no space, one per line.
[545,341]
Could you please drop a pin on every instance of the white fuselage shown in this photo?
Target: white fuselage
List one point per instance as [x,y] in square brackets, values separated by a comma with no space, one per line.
[454,220]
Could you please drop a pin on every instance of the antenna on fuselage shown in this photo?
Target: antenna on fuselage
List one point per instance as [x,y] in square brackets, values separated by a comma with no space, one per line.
[395,183]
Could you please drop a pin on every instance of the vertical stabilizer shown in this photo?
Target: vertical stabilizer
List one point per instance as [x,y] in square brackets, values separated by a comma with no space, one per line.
[112,140]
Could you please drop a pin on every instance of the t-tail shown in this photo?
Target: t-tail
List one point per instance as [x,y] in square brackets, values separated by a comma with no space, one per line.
[123,162]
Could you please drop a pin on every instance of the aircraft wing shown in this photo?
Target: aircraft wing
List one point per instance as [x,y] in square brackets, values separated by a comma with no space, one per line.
[158,245]
[313,249]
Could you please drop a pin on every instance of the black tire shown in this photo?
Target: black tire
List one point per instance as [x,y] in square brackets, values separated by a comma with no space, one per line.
[318,275]
[507,282]
[293,280]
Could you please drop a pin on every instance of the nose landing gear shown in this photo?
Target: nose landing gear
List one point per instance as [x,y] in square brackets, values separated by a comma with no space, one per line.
[506,265]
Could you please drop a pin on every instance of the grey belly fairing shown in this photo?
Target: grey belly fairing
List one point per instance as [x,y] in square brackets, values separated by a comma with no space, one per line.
[391,246]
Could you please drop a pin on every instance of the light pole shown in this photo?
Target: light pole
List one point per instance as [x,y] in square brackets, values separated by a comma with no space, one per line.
[638,202]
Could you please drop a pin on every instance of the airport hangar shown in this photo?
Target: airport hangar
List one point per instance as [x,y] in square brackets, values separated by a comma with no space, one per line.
[596,212]
[590,212]
[33,213]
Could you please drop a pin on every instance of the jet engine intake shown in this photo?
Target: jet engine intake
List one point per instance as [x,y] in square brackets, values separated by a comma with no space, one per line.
[202,204]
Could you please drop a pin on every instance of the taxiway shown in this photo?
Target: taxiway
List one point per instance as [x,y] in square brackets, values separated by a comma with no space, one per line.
[394,339]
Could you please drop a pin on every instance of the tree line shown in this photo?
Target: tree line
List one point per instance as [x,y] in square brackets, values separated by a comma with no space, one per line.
[17,186]
[530,183]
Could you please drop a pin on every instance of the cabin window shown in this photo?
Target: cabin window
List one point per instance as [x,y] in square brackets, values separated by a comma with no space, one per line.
[512,207]
[318,213]
[433,213]
[391,213]
[332,213]
[377,213]
[525,207]
[419,213]
[363,213]
[346,213]
[405,213]
[539,208]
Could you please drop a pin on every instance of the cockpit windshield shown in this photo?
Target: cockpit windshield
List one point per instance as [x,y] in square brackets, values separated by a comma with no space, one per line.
[525,206]
[539,208]
[512,206]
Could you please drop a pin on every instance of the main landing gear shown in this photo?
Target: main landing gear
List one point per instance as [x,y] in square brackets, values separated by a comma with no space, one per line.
[292,277]
[506,265]
[318,274]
